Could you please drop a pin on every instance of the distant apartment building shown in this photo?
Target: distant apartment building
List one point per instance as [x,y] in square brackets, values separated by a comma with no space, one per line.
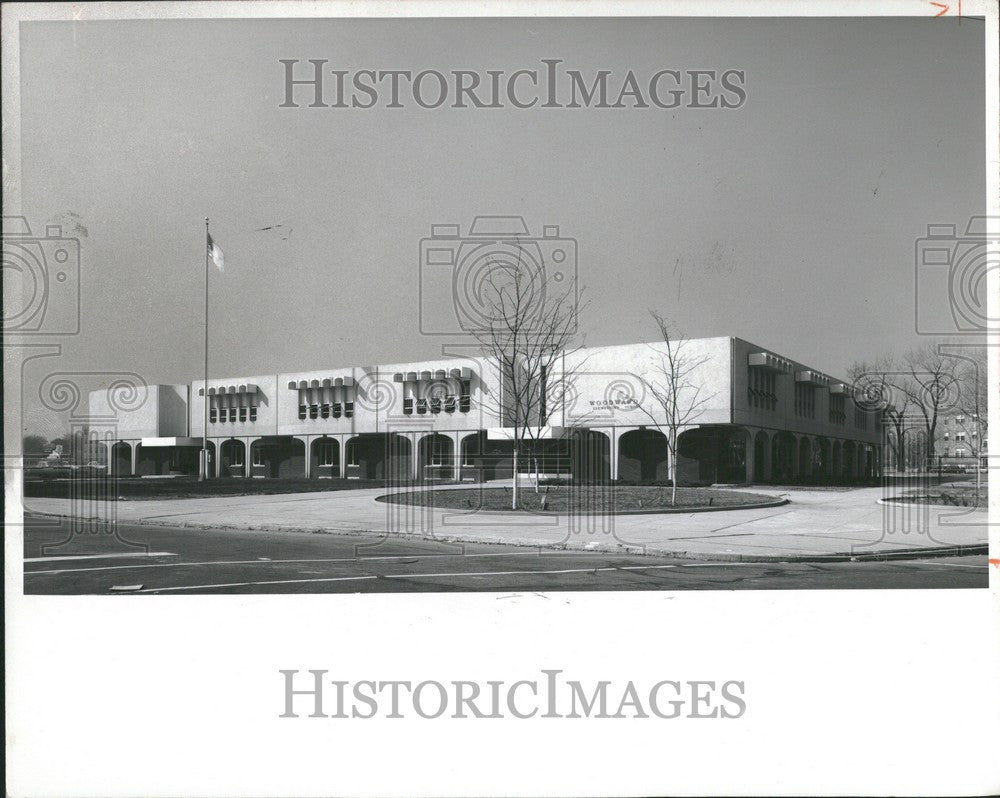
[763,418]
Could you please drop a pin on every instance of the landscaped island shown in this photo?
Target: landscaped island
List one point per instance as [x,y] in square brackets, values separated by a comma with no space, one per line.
[617,499]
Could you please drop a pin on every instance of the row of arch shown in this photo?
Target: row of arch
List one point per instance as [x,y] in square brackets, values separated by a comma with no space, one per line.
[705,455]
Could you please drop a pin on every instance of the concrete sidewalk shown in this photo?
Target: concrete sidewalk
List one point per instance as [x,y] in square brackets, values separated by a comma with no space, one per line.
[815,525]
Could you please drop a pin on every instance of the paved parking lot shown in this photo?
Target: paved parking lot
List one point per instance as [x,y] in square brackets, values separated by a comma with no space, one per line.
[166,560]
[814,523]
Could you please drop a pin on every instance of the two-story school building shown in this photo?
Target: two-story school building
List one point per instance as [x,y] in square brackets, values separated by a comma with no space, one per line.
[750,415]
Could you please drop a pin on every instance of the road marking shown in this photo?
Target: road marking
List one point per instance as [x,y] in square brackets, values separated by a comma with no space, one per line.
[278,562]
[411,576]
[101,556]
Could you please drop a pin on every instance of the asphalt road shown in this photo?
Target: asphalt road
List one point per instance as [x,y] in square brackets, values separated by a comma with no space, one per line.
[165,560]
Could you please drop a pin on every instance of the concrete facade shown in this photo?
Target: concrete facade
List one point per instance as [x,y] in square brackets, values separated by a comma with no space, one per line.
[748,415]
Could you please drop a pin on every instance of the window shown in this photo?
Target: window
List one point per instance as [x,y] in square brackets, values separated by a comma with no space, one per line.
[805,399]
[352,453]
[408,407]
[348,409]
[243,414]
[436,405]
[232,414]
[303,409]
[337,409]
[213,415]
[946,435]
[258,455]
[860,418]
[253,413]
[449,403]
[837,414]
[761,390]
[325,453]
[236,456]
[465,397]
[421,407]
[959,436]
[959,452]
[314,412]
[439,451]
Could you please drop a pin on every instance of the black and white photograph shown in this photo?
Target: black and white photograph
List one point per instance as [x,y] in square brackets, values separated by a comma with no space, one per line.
[411,366]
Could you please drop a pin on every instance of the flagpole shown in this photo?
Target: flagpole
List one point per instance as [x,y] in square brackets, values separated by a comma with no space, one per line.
[203,470]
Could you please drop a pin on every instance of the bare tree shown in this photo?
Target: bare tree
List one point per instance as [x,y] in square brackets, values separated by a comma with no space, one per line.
[931,384]
[671,383]
[879,384]
[531,328]
[973,400]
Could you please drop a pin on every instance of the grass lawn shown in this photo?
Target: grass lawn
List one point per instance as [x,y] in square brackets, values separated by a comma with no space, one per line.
[581,498]
[950,495]
[185,487]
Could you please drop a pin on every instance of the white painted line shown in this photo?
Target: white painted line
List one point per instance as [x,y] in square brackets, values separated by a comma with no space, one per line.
[101,556]
[277,562]
[411,576]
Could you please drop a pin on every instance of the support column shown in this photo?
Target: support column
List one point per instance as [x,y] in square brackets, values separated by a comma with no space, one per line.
[306,460]
[767,467]
[751,454]
[135,457]
[613,434]
[342,455]
[246,457]
[456,457]
[415,455]
[218,458]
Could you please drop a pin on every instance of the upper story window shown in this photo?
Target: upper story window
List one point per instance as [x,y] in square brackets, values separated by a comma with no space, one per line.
[465,397]
[805,400]
[762,388]
[860,418]
[837,413]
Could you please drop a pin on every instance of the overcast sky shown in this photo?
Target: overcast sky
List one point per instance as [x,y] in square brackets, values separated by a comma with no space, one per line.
[790,221]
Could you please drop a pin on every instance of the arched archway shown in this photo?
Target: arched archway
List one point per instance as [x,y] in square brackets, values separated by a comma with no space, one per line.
[233,454]
[782,456]
[761,450]
[805,458]
[436,456]
[120,462]
[376,455]
[324,454]
[712,454]
[850,462]
[643,457]
[278,457]
[590,455]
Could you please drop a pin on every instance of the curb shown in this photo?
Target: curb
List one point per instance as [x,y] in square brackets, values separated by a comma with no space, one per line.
[776,502]
[602,548]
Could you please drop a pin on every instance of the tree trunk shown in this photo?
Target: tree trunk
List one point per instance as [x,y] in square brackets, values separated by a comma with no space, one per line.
[536,473]
[513,505]
[672,454]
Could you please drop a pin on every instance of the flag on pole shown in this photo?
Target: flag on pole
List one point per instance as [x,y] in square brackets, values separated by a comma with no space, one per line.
[215,253]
